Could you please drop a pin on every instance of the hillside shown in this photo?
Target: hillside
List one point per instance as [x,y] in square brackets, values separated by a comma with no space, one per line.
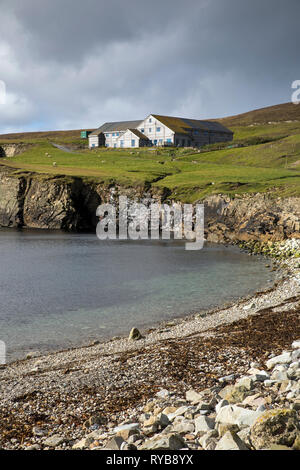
[263,158]
[59,136]
[278,113]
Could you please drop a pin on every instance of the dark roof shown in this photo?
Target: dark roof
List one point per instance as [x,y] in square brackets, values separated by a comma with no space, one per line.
[116,126]
[184,125]
[139,134]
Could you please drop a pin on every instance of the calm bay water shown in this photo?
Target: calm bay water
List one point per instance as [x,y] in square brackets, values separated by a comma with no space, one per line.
[60,290]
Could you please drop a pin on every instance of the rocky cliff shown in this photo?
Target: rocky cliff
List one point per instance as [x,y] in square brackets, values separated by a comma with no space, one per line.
[252,217]
[69,203]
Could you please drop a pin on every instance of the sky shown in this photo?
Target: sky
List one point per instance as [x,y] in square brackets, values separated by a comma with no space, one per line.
[70,64]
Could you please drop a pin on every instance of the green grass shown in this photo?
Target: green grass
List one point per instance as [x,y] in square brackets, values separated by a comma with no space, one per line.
[190,186]
[262,158]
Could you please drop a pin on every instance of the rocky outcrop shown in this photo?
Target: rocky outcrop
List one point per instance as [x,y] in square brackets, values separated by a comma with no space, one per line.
[62,203]
[12,192]
[69,203]
[11,150]
[252,217]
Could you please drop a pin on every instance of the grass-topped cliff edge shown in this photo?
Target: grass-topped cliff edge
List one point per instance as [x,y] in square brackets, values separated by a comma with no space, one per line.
[263,157]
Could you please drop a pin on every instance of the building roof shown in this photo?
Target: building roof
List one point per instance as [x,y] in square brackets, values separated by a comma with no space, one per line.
[116,126]
[139,134]
[184,125]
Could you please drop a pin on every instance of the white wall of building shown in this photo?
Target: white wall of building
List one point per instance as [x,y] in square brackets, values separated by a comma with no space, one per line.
[128,140]
[93,141]
[112,138]
[157,132]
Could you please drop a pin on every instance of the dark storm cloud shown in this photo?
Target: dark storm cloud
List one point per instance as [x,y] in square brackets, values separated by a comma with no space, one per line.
[68,63]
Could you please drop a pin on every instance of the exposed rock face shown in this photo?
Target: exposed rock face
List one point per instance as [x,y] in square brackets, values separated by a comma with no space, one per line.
[12,192]
[46,202]
[11,150]
[62,203]
[252,217]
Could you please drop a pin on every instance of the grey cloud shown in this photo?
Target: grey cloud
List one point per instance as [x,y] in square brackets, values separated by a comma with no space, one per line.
[70,64]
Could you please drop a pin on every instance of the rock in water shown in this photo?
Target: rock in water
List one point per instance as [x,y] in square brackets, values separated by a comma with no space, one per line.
[135,335]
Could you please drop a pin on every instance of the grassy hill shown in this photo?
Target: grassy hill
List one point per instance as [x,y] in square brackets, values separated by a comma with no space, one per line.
[264,157]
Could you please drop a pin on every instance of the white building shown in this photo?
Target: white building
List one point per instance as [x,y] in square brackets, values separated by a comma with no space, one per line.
[158,130]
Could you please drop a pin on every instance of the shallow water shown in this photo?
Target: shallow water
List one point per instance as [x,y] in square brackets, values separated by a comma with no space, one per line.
[59,290]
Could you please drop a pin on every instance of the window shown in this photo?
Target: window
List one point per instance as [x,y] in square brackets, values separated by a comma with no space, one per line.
[122,143]
[169,141]
[158,129]
[115,146]
[160,141]
[150,120]
[133,143]
[150,129]
[143,130]
[113,134]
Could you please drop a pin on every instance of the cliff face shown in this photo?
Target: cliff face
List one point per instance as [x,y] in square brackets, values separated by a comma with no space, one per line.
[10,150]
[252,217]
[56,203]
[45,202]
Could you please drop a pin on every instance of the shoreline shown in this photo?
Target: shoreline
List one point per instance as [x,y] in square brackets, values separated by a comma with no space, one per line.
[115,378]
[21,352]
[177,322]
[159,325]
[159,328]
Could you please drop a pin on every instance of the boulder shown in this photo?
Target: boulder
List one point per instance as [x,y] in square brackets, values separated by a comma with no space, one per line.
[193,396]
[54,441]
[126,427]
[163,394]
[134,335]
[284,358]
[220,404]
[233,414]
[235,393]
[83,443]
[245,382]
[164,442]
[230,441]
[179,412]
[183,427]
[115,443]
[203,424]
[278,426]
